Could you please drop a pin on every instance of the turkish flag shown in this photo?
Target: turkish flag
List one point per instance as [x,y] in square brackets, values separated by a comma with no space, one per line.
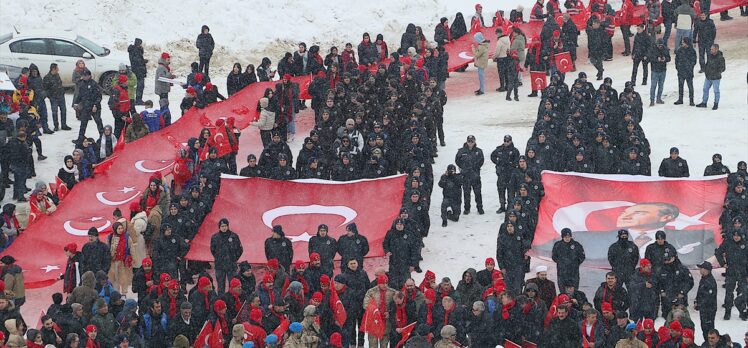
[304,82]
[405,334]
[336,306]
[283,327]
[563,62]
[510,344]
[300,206]
[595,207]
[120,142]
[216,338]
[538,79]
[373,321]
[203,338]
[219,139]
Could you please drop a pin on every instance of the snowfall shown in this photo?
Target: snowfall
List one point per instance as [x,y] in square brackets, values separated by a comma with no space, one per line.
[245,31]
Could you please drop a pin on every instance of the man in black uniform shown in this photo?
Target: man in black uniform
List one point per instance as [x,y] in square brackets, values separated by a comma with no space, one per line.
[716,168]
[659,251]
[451,184]
[279,247]
[675,281]
[733,255]
[352,246]
[325,246]
[706,298]
[568,255]
[674,166]
[505,157]
[226,249]
[623,256]
[470,160]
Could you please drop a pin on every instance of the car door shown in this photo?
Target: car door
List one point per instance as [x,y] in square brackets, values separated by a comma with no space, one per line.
[32,50]
[66,53]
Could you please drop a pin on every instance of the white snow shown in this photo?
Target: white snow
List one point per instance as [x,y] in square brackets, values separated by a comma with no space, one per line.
[246,31]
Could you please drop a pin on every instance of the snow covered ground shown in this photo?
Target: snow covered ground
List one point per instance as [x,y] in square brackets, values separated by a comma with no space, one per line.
[252,29]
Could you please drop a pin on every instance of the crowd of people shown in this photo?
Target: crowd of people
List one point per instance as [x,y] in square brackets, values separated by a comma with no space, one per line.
[377,113]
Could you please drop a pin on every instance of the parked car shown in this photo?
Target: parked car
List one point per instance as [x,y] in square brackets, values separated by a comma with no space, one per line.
[64,48]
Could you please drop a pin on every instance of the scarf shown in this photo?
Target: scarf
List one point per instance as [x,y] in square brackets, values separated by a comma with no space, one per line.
[70,275]
[648,339]
[43,204]
[92,343]
[408,295]
[205,298]
[11,221]
[168,68]
[591,337]
[73,171]
[607,295]
[648,274]
[152,200]
[120,251]
[237,302]
[401,316]
[382,301]
[271,293]
[447,312]
[449,32]
[172,305]
[505,309]
[108,142]
[430,314]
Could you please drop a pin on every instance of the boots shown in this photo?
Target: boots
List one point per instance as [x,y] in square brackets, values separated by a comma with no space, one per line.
[444,223]
[651,103]
[678,102]
[480,211]
[701,105]
[727,313]
[502,209]
[716,105]
[533,94]
[691,102]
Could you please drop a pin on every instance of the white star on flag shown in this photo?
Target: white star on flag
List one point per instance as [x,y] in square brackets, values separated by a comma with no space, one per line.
[304,237]
[683,220]
[95,218]
[50,268]
[126,189]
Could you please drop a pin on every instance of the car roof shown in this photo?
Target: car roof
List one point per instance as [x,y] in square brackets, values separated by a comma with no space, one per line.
[47,34]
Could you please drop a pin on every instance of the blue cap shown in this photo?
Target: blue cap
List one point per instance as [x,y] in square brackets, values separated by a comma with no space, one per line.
[271,339]
[630,327]
[248,345]
[296,327]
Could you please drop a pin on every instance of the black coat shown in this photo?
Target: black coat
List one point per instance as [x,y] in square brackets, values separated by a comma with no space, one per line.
[706,295]
[505,157]
[618,297]
[568,257]
[596,39]
[177,327]
[685,60]
[451,186]
[137,62]
[623,257]
[659,57]
[675,279]
[353,247]
[643,298]
[642,45]
[657,254]
[481,330]
[89,94]
[205,45]
[166,250]
[402,246]
[469,161]
[96,257]
[562,334]
[735,256]
[715,66]
[326,247]
[226,249]
[704,32]
[281,249]
[673,168]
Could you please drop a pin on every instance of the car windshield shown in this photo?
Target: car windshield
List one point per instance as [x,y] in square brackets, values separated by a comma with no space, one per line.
[5,37]
[93,47]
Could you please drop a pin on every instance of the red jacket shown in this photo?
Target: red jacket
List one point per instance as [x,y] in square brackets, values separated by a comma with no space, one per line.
[123,100]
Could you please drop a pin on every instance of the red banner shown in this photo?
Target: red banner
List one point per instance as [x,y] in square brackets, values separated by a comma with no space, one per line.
[299,206]
[595,207]
[373,320]
[563,62]
[538,80]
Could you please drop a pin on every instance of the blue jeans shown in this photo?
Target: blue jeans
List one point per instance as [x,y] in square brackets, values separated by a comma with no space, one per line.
[708,85]
[41,108]
[666,35]
[482,79]
[292,125]
[58,103]
[679,35]
[658,80]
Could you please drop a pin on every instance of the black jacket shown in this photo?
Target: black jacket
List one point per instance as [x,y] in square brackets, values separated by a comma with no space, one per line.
[280,249]
[96,257]
[469,160]
[353,247]
[685,60]
[568,257]
[674,279]
[706,295]
[505,157]
[226,249]
[673,168]
[715,66]
[657,254]
[618,297]
[205,45]
[326,247]
[642,44]
[137,62]
[704,32]
[643,298]
[596,39]
[89,94]
[659,57]
[735,256]
[451,186]
[562,334]
[166,250]
[623,257]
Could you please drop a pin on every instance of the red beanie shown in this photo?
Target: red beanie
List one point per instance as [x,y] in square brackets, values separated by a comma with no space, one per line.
[286,76]
[209,86]
[72,248]
[430,294]
[607,307]
[362,68]
[173,285]
[203,282]
[122,79]
[324,280]
[490,261]
[135,206]
[2,288]
[90,328]
[190,90]
[314,256]
[235,283]
[382,279]
[317,296]
[556,34]
[648,324]
[688,333]
[268,278]
[336,340]
[299,264]
[644,263]
[198,77]
[164,278]
[676,326]
[497,275]
[273,264]
[165,55]
[419,63]
[255,315]
[147,262]
[219,305]
[564,298]
[2,336]
[430,275]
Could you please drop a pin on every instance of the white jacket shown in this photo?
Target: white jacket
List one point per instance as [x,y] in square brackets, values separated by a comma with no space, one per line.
[502,46]
[266,121]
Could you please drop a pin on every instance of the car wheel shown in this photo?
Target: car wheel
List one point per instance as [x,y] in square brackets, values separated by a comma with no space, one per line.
[105,81]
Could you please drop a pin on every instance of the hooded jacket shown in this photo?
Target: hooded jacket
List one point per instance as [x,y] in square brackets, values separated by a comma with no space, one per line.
[480,52]
[137,62]
[85,294]
[204,43]
[13,278]
[468,293]
[715,66]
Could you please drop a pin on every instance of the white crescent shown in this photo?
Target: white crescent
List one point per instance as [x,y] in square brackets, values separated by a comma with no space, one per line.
[269,216]
[102,199]
[574,216]
[564,60]
[82,233]
[538,82]
[139,166]
[465,55]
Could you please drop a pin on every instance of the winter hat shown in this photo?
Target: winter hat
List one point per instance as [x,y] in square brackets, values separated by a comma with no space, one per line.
[271,339]
[295,287]
[556,34]
[648,324]
[255,315]
[606,307]
[122,79]
[324,280]
[310,310]
[90,328]
[287,76]
[317,296]
[644,263]
[198,77]
[430,294]
[248,345]
[687,333]
[430,275]
[490,261]
[621,232]
[164,278]
[93,232]
[268,278]
[278,229]
[185,305]
[674,149]
[72,248]
[531,286]
[273,264]
[190,90]
[478,37]
[235,283]
[382,279]
[165,55]
[100,275]
[314,257]
[299,264]
[336,340]
[621,315]
[219,305]
[706,265]
[564,298]
[565,232]
[676,326]
[203,282]
[630,327]
[295,327]
[717,156]
[23,80]
[264,102]
[173,285]
[478,6]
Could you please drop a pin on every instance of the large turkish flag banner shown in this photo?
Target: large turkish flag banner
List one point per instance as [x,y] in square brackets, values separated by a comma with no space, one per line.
[563,62]
[253,206]
[595,207]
